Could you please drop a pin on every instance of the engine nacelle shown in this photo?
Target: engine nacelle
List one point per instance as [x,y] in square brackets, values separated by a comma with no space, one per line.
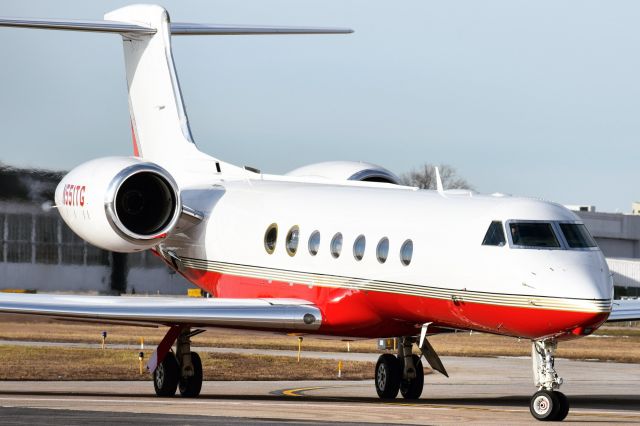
[347,170]
[122,204]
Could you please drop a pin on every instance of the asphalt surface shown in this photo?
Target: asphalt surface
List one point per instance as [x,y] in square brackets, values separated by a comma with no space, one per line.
[39,416]
[480,390]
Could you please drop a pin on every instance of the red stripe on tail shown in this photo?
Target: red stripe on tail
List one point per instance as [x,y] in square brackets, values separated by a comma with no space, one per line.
[136,150]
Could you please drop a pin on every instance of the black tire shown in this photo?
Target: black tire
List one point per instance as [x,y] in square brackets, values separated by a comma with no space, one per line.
[190,386]
[387,376]
[165,376]
[564,406]
[545,405]
[412,388]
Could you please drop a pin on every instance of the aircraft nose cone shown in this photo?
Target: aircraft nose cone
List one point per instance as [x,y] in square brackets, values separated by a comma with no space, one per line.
[583,288]
[598,286]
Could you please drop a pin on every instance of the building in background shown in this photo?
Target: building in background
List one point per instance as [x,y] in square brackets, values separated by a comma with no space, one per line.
[618,236]
[581,208]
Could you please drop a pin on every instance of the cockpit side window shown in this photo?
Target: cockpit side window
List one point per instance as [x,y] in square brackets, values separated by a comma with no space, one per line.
[577,235]
[533,234]
[494,235]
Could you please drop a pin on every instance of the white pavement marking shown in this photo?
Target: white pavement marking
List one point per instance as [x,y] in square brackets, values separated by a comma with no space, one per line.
[33,400]
[384,406]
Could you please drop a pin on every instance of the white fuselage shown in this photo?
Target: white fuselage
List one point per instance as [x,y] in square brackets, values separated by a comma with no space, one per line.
[448,263]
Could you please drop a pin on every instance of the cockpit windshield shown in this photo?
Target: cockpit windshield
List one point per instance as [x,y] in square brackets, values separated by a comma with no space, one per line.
[533,234]
[494,235]
[577,235]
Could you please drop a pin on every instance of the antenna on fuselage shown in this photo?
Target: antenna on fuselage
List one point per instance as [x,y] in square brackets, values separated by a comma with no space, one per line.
[439,186]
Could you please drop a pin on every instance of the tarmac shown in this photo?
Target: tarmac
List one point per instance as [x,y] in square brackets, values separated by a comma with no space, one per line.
[480,391]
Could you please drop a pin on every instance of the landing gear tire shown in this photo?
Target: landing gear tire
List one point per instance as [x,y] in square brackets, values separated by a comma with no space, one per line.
[544,405]
[190,386]
[412,388]
[388,375]
[549,406]
[165,376]
[564,406]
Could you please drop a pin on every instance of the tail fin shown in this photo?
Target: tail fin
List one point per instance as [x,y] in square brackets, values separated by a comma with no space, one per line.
[158,117]
[159,121]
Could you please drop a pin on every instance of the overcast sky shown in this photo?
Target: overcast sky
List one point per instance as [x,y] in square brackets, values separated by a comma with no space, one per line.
[534,98]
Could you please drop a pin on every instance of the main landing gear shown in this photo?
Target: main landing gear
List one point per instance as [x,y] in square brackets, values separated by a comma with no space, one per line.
[404,373]
[548,404]
[181,370]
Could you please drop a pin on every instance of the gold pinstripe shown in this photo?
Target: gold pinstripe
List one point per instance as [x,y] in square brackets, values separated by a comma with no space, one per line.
[512,300]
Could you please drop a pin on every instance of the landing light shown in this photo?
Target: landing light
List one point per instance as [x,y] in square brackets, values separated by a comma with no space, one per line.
[582,331]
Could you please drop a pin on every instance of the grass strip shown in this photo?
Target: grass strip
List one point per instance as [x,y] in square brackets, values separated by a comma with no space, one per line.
[35,363]
[609,343]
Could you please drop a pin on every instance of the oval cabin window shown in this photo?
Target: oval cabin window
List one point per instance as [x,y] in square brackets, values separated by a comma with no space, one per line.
[358,247]
[293,237]
[270,238]
[382,251]
[314,243]
[336,245]
[406,252]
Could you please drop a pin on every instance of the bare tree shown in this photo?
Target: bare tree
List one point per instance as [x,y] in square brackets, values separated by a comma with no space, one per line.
[424,177]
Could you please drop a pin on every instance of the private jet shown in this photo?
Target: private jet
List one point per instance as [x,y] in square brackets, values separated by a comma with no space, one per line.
[338,249]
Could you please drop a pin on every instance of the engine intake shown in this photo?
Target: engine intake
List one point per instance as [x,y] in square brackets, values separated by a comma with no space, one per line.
[142,202]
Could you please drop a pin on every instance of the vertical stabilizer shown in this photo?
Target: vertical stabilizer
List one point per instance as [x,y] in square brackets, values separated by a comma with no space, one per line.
[158,118]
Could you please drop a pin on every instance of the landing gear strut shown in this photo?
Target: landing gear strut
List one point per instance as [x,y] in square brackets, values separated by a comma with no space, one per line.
[402,373]
[412,380]
[548,404]
[180,370]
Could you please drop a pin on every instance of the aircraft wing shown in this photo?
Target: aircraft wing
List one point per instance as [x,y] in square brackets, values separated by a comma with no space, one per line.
[263,314]
[625,310]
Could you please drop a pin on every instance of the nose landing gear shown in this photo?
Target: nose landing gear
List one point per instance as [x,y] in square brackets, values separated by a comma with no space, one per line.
[548,404]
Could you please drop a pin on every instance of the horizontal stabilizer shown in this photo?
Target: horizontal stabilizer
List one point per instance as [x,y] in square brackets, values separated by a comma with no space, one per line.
[177,28]
[76,25]
[180,28]
[263,314]
[625,310]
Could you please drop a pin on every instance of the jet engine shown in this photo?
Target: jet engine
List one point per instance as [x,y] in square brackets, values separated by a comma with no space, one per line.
[122,204]
[347,170]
